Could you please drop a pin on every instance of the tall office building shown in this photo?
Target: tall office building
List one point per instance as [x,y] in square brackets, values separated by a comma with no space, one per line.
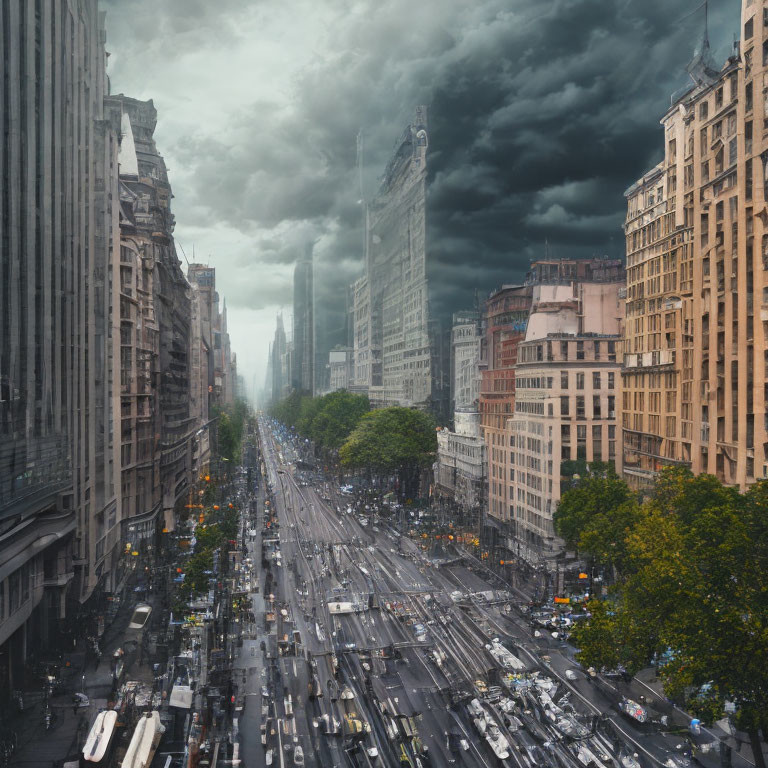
[59,532]
[696,329]
[392,340]
[303,366]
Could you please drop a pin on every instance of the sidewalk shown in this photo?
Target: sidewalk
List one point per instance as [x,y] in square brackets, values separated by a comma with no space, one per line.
[39,748]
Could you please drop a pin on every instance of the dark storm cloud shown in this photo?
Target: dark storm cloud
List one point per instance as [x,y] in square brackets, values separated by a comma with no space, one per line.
[541,115]
[538,132]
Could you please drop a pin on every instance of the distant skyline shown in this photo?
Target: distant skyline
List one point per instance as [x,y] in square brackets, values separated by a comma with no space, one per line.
[540,117]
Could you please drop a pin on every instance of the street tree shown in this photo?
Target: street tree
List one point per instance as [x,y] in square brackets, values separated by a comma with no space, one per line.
[338,415]
[694,593]
[595,516]
[393,440]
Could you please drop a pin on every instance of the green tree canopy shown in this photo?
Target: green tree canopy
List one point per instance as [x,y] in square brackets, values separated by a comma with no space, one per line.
[230,427]
[695,583]
[392,440]
[596,514]
[337,416]
[327,420]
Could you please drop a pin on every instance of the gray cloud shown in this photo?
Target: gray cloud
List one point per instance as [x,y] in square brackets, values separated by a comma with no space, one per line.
[541,114]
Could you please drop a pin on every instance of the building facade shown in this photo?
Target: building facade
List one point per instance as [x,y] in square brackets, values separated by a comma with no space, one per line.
[696,329]
[460,469]
[505,321]
[340,361]
[393,360]
[303,366]
[280,355]
[466,343]
[566,384]
[58,501]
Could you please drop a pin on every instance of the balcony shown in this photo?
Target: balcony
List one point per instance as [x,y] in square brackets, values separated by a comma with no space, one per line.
[59,580]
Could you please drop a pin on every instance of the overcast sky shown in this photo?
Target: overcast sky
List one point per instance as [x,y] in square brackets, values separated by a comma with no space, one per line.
[541,113]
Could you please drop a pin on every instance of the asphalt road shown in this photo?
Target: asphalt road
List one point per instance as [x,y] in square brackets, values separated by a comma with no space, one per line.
[396,674]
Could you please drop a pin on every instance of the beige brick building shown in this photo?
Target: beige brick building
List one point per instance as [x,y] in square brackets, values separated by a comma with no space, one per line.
[694,378]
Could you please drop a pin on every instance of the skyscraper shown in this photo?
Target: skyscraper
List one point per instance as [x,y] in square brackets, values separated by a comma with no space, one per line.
[58,227]
[303,365]
[393,356]
[281,376]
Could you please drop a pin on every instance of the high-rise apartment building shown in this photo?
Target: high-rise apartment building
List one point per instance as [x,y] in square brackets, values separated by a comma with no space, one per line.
[59,532]
[695,337]
[566,383]
[303,366]
[393,355]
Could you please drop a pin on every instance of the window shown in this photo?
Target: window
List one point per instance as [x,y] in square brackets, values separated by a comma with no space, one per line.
[564,405]
[580,407]
[748,97]
[563,379]
[597,350]
[749,29]
[564,350]
[579,381]
[596,380]
[703,110]
[719,98]
[579,350]
[596,407]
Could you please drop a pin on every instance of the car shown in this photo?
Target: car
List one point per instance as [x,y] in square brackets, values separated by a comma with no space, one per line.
[350,646]
[570,674]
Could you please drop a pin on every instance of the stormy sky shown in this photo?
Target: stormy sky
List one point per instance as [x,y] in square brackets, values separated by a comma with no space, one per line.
[542,112]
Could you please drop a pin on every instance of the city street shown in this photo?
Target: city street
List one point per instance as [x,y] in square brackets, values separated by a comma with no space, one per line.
[386,657]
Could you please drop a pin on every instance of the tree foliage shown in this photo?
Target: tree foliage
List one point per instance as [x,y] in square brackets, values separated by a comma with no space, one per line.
[596,514]
[694,587]
[393,440]
[326,420]
[389,439]
[230,426]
